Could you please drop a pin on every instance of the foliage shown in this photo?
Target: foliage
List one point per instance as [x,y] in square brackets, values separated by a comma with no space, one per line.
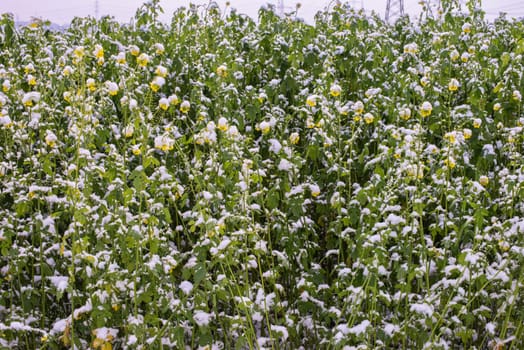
[220,182]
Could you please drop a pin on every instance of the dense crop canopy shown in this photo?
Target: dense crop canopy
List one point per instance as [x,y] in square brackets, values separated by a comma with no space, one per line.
[220,182]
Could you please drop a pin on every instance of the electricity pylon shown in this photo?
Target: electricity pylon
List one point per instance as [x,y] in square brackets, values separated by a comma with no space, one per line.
[394,9]
[281,8]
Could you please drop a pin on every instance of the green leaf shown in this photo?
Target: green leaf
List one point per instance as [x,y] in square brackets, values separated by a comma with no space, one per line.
[200,273]
[80,217]
[140,181]
[47,166]
[272,199]
[167,215]
[150,161]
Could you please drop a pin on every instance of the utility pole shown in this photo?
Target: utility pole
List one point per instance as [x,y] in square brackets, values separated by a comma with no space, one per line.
[394,9]
[96,9]
[280,7]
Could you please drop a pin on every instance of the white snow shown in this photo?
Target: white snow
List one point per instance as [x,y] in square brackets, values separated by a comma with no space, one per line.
[391,329]
[105,333]
[132,340]
[393,219]
[423,309]
[275,146]
[60,282]
[202,318]
[356,330]
[281,330]
[186,287]
[490,328]
[59,326]
[284,165]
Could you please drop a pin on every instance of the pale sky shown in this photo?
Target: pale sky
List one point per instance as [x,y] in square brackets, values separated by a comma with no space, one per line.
[62,11]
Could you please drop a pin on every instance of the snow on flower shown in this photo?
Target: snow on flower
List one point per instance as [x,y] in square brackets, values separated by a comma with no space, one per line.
[164,143]
[186,287]
[222,71]
[285,165]
[422,308]
[222,124]
[163,103]
[31,98]
[185,106]
[335,90]
[202,318]
[215,181]
[112,88]
[275,146]
[59,282]
[50,139]
[425,109]
[157,83]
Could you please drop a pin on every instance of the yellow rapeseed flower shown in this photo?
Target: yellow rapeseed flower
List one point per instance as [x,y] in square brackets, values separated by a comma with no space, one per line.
[112,88]
[454,55]
[222,124]
[91,84]
[121,58]
[265,127]
[294,138]
[335,90]
[142,60]
[450,162]
[136,150]
[31,80]
[477,122]
[358,107]
[185,106]
[29,68]
[157,83]
[369,118]
[451,137]
[128,131]
[6,85]
[161,71]
[98,51]
[134,50]
[159,48]
[222,71]
[51,139]
[426,109]
[453,85]
[311,101]
[163,103]
[173,100]
[405,113]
